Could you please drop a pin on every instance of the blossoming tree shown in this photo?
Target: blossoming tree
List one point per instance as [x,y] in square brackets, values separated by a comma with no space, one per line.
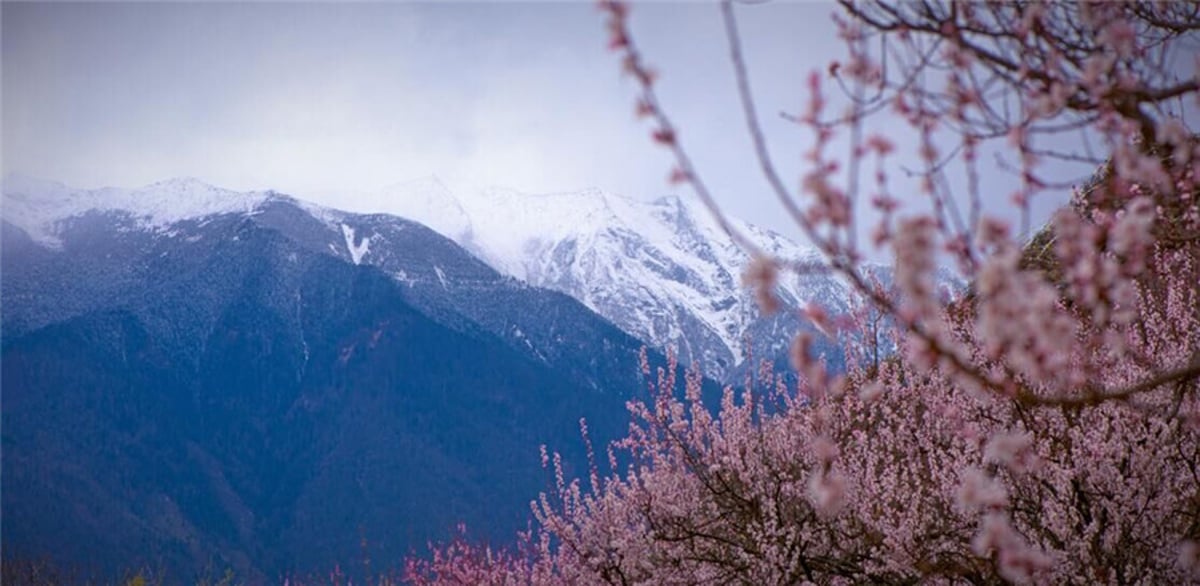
[1044,427]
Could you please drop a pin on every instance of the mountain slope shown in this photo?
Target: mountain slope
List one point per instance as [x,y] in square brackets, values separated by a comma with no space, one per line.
[266,386]
[663,270]
[441,278]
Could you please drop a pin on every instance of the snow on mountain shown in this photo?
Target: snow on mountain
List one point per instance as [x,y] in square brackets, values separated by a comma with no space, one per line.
[662,270]
[38,206]
[358,248]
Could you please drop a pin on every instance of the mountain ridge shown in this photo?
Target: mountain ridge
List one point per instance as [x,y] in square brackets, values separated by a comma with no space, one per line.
[239,393]
[663,271]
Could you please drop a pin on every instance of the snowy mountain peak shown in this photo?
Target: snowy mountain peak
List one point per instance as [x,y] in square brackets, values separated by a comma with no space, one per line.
[183,198]
[663,270]
[38,206]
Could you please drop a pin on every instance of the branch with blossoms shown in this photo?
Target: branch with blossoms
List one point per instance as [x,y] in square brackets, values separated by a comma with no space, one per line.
[1043,427]
[964,77]
[1101,74]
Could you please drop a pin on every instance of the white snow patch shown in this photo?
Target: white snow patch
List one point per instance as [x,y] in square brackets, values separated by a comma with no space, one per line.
[402,277]
[359,250]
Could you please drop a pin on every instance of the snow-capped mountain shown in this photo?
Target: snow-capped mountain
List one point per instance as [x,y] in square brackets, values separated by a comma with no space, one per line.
[242,380]
[441,278]
[663,270]
[39,206]
[251,378]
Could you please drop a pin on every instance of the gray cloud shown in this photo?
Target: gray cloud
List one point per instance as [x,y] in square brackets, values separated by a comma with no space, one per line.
[317,99]
[314,97]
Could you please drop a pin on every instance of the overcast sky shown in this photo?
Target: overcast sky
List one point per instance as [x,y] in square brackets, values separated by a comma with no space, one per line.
[316,99]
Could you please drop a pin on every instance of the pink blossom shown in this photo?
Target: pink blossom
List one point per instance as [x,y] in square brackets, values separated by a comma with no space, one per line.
[1012,450]
[980,491]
